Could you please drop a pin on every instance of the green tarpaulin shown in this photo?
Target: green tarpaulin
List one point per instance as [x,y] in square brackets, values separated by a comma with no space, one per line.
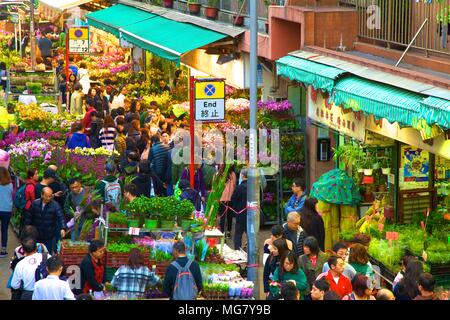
[336,187]
[318,75]
[115,17]
[436,111]
[383,101]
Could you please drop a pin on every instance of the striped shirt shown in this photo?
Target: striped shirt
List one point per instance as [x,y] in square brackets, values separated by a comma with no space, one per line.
[107,136]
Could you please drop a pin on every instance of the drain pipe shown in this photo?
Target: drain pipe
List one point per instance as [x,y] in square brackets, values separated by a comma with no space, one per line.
[275,80]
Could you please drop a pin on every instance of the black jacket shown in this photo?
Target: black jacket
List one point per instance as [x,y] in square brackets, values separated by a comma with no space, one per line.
[45,221]
[193,196]
[314,227]
[159,159]
[272,263]
[87,274]
[297,246]
[142,183]
[94,133]
[239,202]
[171,276]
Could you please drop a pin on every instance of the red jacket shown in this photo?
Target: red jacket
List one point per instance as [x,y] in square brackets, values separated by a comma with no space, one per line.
[87,120]
[29,193]
[343,287]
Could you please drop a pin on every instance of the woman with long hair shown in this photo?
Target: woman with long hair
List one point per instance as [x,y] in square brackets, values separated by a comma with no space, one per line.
[6,204]
[225,214]
[359,260]
[135,130]
[312,222]
[289,271]
[407,288]
[277,232]
[108,133]
[362,289]
[133,278]
[144,144]
[312,260]
[278,249]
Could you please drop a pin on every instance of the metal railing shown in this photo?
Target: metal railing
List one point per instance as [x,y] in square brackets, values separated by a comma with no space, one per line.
[395,22]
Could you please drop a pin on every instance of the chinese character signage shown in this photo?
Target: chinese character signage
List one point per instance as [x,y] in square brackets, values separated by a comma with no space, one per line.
[350,123]
[79,40]
[210,100]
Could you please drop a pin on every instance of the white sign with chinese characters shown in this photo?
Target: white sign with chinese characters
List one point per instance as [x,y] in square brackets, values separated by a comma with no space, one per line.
[210,100]
[350,123]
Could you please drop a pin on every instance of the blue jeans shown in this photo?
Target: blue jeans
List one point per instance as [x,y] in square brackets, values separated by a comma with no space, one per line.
[4,219]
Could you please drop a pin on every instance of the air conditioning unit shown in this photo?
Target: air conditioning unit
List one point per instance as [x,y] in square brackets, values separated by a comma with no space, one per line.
[275,97]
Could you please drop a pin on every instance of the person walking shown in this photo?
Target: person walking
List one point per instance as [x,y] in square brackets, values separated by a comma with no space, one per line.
[277,232]
[341,250]
[159,160]
[362,289]
[298,198]
[23,280]
[110,187]
[46,214]
[278,249]
[133,279]
[407,288]
[313,259]
[108,134]
[6,206]
[78,139]
[72,205]
[87,119]
[294,232]
[319,289]
[426,285]
[199,181]
[92,268]
[290,271]
[182,267]
[45,46]
[359,260]
[147,183]
[312,222]
[239,206]
[76,99]
[83,77]
[338,282]
[52,287]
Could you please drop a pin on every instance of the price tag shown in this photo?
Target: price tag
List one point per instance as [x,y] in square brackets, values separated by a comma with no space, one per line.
[134,231]
[380,227]
[422,225]
[391,235]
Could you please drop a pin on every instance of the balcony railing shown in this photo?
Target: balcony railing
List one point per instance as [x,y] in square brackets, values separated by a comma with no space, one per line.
[396,22]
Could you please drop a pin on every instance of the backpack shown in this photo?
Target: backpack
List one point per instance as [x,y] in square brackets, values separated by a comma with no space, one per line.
[185,286]
[19,199]
[41,271]
[112,192]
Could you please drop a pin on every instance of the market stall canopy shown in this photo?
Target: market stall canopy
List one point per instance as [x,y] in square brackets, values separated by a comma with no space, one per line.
[336,187]
[383,101]
[436,111]
[115,17]
[167,38]
[318,75]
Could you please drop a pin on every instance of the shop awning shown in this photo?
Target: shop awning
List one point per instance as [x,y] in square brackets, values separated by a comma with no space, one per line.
[436,111]
[62,5]
[383,101]
[115,17]
[311,73]
[167,38]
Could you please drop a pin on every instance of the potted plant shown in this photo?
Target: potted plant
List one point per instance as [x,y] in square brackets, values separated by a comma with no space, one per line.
[168,4]
[117,220]
[375,163]
[138,208]
[367,166]
[194,6]
[185,212]
[168,212]
[212,9]
[385,166]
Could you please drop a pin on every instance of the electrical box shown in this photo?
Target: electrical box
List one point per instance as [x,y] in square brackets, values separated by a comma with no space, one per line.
[323,149]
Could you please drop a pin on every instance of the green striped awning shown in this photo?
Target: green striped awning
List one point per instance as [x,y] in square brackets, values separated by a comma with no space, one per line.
[318,75]
[115,17]
[383,101]
[436,111]
[167,38]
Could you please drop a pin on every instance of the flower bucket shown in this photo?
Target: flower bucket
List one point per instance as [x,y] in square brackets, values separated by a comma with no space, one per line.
[386,171]
[167,224]
[368,172]
[151,224]
[133,223]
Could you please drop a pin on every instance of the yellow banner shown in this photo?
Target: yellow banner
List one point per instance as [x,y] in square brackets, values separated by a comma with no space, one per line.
[210,90]
[79,33]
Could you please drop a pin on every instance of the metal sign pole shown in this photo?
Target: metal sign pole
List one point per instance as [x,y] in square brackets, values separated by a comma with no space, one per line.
[191,130]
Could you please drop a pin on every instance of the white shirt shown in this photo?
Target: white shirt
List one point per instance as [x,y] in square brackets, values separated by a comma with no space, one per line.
[118,102]
[52,288]
[25,271]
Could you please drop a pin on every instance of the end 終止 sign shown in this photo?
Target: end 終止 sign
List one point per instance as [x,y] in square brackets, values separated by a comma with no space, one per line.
[209,100]
[79,40]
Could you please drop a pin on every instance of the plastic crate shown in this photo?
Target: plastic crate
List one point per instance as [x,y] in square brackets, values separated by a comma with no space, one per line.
[385,272]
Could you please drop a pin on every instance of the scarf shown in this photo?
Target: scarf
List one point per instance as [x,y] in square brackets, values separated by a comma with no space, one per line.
[99,270]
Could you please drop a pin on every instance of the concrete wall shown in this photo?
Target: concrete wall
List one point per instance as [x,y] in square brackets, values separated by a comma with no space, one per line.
[285,37]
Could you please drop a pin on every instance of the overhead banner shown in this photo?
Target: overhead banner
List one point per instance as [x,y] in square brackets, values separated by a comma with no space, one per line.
[349,123]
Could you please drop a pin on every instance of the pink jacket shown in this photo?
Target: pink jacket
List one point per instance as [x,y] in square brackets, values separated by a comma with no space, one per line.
[229,188]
